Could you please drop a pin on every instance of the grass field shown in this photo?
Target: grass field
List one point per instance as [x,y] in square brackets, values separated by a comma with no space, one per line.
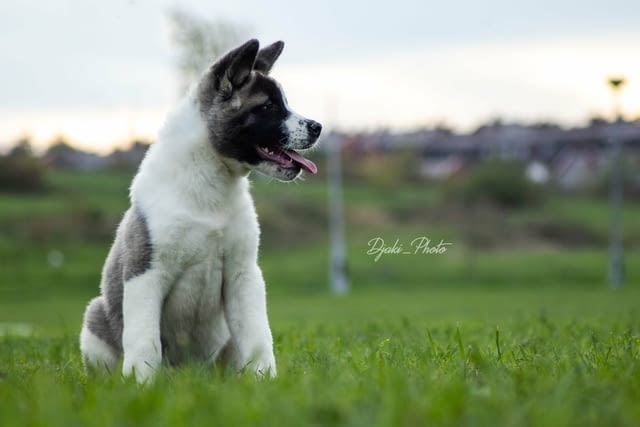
[510,357]
[512,335]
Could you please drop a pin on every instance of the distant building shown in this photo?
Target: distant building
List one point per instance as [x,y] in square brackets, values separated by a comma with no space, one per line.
[63,156]
[128,159]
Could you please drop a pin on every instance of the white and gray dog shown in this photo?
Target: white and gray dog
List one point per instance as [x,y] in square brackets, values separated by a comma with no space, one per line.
[181,281]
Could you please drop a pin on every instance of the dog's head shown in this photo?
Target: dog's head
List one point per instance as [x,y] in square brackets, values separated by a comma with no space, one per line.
[247,115]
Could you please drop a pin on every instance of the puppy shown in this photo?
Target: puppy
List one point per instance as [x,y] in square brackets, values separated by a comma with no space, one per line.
[181,281]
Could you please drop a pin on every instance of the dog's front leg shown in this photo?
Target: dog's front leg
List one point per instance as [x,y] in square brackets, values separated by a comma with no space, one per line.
[141,308]
[246,313]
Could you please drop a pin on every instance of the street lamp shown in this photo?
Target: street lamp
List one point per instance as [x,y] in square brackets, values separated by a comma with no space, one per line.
[337,247]
[338,253]
[617,83]
[616,274]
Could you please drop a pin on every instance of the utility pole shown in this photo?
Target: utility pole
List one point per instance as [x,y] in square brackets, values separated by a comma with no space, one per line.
[616,256]
[337,251]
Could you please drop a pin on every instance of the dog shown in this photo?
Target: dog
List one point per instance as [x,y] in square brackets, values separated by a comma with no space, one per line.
[181,281]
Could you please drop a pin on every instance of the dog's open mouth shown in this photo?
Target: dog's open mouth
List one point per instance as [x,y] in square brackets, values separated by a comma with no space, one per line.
[287,158]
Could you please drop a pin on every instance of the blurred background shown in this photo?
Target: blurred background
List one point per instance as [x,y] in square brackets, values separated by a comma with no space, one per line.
[509,132]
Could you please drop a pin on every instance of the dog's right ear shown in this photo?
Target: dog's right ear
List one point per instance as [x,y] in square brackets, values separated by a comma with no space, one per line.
[233,69]
[267,56]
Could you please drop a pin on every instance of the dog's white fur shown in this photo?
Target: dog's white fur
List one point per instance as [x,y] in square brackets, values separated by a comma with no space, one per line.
[204,230]
[98,354]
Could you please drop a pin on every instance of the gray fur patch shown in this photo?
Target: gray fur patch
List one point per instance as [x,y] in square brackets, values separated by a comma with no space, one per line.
[137,245]
[130,256]
[97,322]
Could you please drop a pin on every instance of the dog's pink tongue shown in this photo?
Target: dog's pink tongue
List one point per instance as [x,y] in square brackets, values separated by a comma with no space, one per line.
[306,164]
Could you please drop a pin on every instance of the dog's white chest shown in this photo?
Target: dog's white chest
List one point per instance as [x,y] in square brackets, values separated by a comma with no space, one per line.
[192,313]
[198,250]
[197,290]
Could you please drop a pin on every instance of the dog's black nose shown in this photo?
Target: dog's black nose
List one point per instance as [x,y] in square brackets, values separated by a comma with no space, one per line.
[314,128]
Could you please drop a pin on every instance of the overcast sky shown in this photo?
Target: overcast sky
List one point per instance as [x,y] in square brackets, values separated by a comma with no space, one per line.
[102,72]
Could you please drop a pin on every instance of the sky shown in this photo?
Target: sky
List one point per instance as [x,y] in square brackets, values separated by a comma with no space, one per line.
[101,73]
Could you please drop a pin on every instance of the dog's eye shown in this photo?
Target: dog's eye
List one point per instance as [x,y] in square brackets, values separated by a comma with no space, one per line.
[268,106]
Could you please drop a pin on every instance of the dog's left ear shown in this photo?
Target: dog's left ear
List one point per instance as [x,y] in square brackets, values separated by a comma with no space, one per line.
[243,59]
[267,57]
[233,69]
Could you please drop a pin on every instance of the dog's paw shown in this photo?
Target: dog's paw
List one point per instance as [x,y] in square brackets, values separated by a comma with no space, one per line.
[144,371]
[265,367]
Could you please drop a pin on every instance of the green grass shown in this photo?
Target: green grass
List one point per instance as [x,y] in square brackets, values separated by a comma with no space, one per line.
[510,357]
[35,293]
[592,215]
[70,191]
[519,334]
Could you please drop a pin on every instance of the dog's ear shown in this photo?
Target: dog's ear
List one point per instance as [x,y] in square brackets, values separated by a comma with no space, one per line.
[268,56]
[233,69]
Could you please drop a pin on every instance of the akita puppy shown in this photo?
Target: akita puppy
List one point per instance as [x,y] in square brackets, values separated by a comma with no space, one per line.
[181,281]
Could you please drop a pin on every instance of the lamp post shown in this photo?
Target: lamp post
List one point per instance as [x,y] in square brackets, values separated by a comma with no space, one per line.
[337,245]
[337,255]
[616,274]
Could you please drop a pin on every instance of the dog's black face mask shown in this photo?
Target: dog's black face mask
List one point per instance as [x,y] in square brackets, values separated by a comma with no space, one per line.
[248,117]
